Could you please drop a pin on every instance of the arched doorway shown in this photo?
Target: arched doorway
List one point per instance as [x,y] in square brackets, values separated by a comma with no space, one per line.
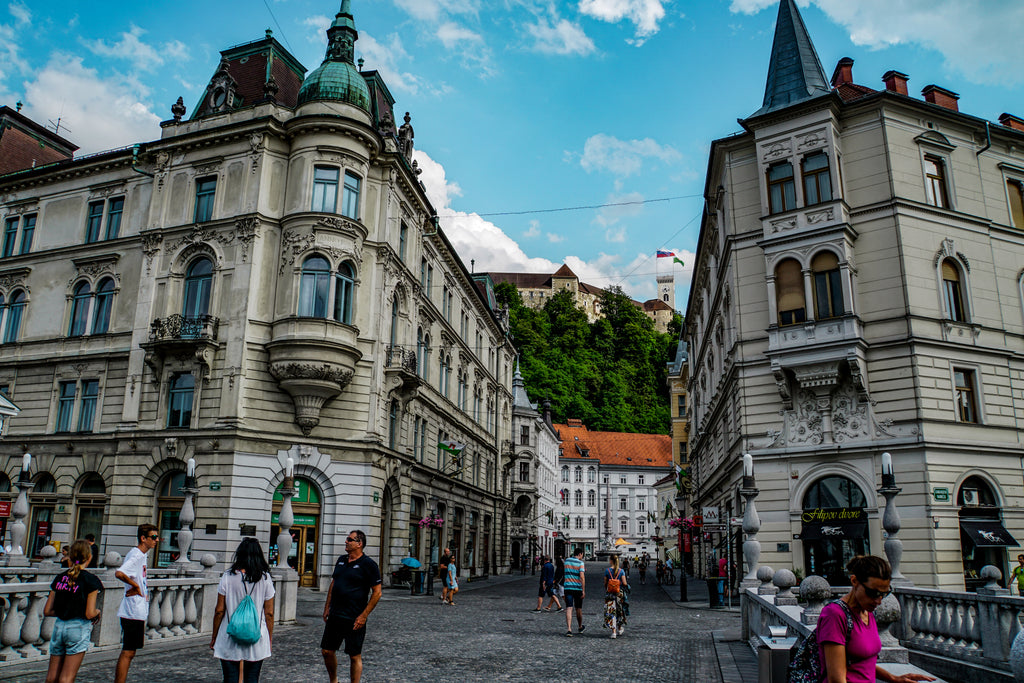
[387,518]
[305,530]
[983,538]
[42,501]
[89,503]
[169,500]
[834,527]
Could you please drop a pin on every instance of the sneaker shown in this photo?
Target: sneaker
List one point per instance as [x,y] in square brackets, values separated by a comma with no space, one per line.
[547,609]
[560,609]
[622,629]
[582,628]
[568,634]
[536,610]
[613,635]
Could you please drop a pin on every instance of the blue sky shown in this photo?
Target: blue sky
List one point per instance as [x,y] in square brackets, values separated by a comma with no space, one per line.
[520,107]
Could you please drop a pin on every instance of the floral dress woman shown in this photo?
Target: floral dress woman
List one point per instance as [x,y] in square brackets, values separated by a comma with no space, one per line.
[615,611]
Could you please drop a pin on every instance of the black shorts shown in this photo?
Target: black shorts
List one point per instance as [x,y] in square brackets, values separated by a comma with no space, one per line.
[337,630]
[133,633]
[543,590]
[573,599]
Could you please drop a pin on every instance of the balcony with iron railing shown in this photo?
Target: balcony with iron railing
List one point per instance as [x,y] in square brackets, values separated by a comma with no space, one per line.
[178,335]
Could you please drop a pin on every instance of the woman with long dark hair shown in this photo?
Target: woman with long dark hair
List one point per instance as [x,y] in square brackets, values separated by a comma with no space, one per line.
[72,600]
[249,575]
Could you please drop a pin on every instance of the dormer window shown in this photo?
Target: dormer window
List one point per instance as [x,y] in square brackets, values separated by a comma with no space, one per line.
[781,188]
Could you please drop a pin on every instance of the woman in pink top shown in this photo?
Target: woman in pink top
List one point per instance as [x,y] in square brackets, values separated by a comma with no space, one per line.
[852,656]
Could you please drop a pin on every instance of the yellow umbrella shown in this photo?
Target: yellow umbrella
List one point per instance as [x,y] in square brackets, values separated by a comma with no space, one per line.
[619,541]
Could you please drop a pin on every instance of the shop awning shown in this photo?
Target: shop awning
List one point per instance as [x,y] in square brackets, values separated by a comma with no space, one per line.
[813,531]
[988,534]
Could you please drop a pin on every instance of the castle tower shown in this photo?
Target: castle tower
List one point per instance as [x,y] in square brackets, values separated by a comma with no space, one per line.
[667,289]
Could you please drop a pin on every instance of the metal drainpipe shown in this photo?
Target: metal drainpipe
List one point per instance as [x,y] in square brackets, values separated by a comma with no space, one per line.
[988,139]
[135,161]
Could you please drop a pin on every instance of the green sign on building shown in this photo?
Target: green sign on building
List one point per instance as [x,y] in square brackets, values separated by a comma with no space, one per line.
[940,493]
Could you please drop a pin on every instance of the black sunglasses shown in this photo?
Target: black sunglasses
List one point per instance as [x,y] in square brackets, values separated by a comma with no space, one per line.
[351,540]
[154,538]
[874,594]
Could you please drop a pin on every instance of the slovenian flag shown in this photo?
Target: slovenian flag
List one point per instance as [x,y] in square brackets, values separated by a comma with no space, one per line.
[665,254]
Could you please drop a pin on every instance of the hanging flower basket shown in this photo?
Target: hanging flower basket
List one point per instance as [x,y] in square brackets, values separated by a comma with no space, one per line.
[684,523]
[431,522]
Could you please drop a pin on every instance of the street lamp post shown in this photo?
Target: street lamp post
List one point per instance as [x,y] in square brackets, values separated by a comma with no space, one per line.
[681,506]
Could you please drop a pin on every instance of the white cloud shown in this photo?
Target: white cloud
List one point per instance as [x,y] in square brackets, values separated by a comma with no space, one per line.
[534,230]
[453,36]
[20,13]
[645,14]
[615,235]
[386,57]
[102,113]
[143,56]
[555,238]
[11,62]
[434,10]
[319,23]
[623,157]
[619,207]
[964,32]
[560,38]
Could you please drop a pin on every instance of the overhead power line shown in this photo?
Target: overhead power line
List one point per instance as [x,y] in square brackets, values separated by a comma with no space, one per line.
[577,208]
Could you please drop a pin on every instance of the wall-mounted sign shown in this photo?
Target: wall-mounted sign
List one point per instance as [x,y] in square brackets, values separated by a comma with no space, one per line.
[376,496]
[710,515]
[698,521]
[834,515]
[940,493]
[782,547]
[5,508]
[248,530]
[215,486]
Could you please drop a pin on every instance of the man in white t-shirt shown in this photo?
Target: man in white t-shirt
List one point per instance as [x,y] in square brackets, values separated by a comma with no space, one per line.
[134,609]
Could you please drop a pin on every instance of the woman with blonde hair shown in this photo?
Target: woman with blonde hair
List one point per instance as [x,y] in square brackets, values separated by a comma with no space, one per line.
[615,585]
[72,601]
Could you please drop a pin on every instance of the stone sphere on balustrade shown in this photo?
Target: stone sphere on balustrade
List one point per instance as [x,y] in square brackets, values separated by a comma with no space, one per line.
[208,560]
[112,559]
[990,575]
[784,579]
[815,589]
[889,611]
[48,552]
[765,573]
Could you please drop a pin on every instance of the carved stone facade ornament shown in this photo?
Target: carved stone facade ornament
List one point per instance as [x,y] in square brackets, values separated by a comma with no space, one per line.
[107,191]
[820,216]
[777,150]
[255,145]
[783,224]
[246,231]
[293,244]
[405,137]
[310,386]
[94,268]
[151,245]
[811,140]
[16,277]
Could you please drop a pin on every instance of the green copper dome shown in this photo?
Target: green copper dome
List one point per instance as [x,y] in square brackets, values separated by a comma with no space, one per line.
[337,77]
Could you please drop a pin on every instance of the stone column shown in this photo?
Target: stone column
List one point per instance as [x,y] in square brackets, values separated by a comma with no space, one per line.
[751,525]
[17,556]
[891,522]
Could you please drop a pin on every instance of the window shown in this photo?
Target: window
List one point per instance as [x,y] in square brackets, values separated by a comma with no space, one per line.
[66,399]
[579,522]
[641,527]
[641,503]
[313,287]
[828,288]
[423,273]
[394,320]
[393,425]
[15,309]
[416,436]
[565,473]
[198,283]
[591,475]
[28,228]
[344,283]
[65,406]
[781,188]
[524,471]
[789,292]
[578,474]
[966,405]
[524,435]
[622,478]
[817,180]
[623,503]
[179,412]
[1015,191]
[591,498]
[935,181]
[350,199]
[683,453]
[104,305]
[87,409]
[640,479]
[604,479]
[442,361]
[591,522]
[577,498]
[206,189]
[952,291]
[80,300]
[94,222]
[623,526]
[681,404]
[325,189]
[113,208]
[403,235]
[423,440]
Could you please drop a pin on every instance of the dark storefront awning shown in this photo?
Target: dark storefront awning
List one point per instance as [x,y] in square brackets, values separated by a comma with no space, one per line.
[988,534]
[813,531]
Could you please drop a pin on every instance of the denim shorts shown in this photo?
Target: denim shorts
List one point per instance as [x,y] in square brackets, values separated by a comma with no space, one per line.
[70,637]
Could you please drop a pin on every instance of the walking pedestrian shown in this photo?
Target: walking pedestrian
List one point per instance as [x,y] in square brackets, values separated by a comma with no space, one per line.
[641,568]
[134,609]
[352,595]
[442,573]
[522,564]
[575,590]
[1018,574]
[94,551]
[453,581]
[557,591]
[615,586]
[851,655]
[546,587]
[72,601]
[249,575]
[625,566]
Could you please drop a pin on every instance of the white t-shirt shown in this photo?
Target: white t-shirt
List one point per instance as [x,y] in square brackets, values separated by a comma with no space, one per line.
[135,606]
[233,590]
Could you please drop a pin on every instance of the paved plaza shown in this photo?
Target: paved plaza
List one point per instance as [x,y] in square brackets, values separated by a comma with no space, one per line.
[490,635]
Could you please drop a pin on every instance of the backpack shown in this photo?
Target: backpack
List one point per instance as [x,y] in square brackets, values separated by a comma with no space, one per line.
[244,626]
[805,666]
[613,584]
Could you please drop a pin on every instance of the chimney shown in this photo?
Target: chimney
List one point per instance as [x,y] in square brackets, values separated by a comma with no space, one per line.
[940,96]
[896,82]
[843,72]
[1011,121]
[546,407]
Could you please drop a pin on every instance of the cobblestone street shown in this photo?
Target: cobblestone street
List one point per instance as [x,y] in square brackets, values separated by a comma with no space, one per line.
[490,635]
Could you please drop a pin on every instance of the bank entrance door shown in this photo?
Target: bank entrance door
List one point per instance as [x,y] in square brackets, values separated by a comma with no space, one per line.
[305,531]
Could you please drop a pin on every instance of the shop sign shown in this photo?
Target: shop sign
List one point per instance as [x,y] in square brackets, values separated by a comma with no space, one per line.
[834,515]
[215,486]
[940,493]
[698,521]
[5,508]
[710,515]
[299,520]
[43,529]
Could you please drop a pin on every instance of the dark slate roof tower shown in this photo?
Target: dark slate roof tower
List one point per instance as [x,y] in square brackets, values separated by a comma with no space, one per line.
[337,77]
[795,72]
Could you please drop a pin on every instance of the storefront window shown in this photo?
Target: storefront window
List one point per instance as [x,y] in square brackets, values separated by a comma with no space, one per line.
[90,501]
[983,538]
[834,528]
[304,530]
[168,502]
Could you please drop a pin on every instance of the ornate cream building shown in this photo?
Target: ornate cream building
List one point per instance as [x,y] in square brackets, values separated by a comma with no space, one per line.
[859,290]
[265,281]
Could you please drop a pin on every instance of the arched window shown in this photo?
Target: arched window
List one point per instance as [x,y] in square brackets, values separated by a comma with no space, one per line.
[344,283]
[828,286]
[313,288]
[198,281]
[447,376]
[179,413]
[81,297]
[565,473]
[834,527]
[817,180]
[578,474]
[394,320]
[591,475]
[92,496]
[976,492]
[104,305]
[953,291]
[419,350]
[781,189]
[789,292]
[834,492]
[591,497]
[393,425]
[42,501]
[426,357]
[168,507]
[14,313]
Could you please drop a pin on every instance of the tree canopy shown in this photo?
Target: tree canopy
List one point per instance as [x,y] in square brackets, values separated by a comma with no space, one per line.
[610,373]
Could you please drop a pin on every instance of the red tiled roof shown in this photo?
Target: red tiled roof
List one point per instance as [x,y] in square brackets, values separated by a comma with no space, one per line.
[564,271]
[656,305]
[671,476]
[851,91]
[615,448]
[523,280]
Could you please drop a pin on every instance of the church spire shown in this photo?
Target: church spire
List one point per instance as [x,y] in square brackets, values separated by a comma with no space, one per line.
[342,36]
[794,72]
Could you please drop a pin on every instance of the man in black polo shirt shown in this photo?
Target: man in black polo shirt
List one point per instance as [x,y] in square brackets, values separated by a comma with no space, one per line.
[354,592]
